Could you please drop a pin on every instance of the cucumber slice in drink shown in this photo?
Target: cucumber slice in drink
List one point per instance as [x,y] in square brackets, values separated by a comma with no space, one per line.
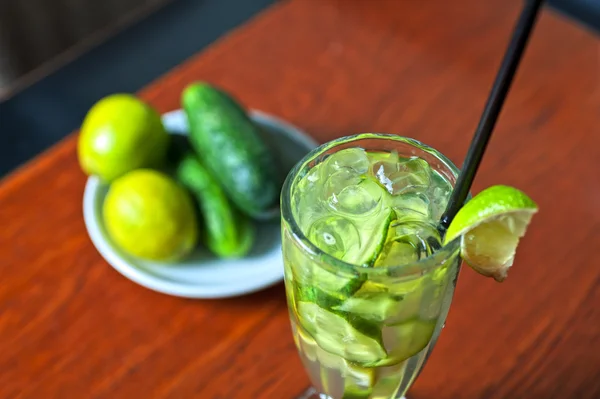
[315,279]
[342,334]
[379,239]
[306,344]
[388,380]
[405,340]
[319,297]
[370,288]
[338,285]
[353,393]
[358,381]
[315,275]
[377,308]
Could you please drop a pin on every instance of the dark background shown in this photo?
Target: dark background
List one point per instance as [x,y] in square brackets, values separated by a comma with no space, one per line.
[39,114]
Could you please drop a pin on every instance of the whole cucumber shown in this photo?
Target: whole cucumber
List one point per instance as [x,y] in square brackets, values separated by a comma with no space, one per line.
[227,233]
[230,146]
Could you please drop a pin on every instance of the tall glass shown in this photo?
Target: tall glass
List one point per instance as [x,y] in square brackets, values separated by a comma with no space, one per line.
[364,328]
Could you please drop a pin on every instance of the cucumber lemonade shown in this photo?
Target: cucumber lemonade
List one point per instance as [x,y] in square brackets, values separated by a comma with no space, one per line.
[368,282]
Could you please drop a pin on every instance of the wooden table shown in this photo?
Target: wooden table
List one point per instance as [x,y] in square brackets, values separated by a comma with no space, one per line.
[72,327]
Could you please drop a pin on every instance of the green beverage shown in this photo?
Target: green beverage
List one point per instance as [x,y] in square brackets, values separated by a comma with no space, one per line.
[368,281]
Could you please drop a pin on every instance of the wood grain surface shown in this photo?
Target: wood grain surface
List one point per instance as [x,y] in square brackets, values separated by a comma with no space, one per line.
[72,327]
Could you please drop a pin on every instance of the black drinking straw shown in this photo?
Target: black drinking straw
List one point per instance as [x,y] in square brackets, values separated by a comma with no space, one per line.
[492,109]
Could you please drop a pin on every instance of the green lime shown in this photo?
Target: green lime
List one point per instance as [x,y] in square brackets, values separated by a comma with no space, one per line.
[150,216]
[490,226]
[121,133]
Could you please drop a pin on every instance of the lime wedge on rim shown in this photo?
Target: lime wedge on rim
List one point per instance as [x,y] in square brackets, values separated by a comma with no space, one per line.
[490,226]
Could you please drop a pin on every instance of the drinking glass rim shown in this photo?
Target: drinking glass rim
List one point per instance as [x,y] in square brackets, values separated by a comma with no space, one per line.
[417,268]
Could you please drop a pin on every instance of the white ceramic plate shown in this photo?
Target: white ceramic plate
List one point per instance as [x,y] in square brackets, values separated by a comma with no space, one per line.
[202,275]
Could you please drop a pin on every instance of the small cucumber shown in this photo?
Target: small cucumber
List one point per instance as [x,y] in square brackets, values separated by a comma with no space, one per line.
[231,148]
[227,233]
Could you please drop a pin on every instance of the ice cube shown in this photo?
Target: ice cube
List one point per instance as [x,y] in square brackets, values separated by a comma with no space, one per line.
[338,181]
[412,175]
[401,175]
[383,166]
[336,236]
[351,158]
[439,192]
[397,253]
[360,197]
[409,239]
[414,204]
[307,204]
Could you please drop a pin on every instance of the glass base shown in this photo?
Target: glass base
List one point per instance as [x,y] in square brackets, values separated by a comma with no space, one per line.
[312,393]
